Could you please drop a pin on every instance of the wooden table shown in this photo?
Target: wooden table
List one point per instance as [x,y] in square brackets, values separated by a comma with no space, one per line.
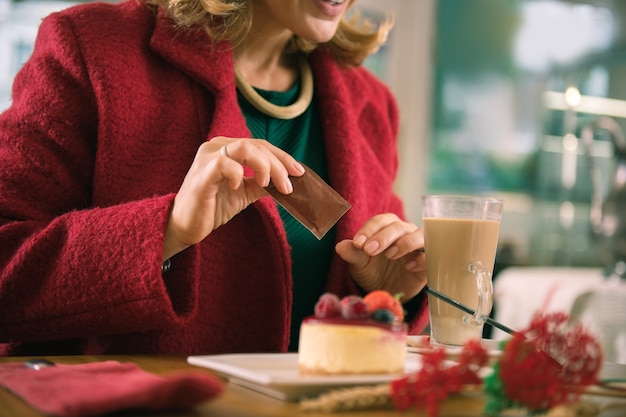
[235,401]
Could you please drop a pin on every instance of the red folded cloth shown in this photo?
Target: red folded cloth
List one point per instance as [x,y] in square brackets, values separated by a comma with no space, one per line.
[98,388]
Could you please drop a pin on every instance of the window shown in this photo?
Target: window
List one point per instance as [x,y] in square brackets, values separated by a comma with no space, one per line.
[499,126]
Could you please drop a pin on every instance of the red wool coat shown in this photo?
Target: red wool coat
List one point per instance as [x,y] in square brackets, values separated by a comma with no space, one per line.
[106,118]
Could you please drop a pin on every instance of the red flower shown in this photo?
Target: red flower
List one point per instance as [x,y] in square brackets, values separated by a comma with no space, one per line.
[438,378]
[549,363]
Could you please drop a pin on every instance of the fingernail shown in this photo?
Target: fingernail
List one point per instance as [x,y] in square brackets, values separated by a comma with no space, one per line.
[298,167]
[360,240]
[371,247]
[410,265]
[289,186]
[392,251]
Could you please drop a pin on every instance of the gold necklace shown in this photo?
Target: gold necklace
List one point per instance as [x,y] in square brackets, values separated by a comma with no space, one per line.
[280,112]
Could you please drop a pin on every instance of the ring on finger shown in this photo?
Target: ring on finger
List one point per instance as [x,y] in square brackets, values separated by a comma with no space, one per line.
[224,151]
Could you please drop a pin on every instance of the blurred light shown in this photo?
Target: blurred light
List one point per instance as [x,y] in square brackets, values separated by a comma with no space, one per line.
[569,161]
[572,96]
[567,213]
[555,100]
[570,143]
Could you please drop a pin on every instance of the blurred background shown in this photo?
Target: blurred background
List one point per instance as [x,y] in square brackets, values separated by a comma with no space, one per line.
[502,122]
[499,93]
[494,97]
[481,87]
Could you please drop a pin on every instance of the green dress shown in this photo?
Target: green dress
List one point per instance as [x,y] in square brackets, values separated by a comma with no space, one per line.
[302,138]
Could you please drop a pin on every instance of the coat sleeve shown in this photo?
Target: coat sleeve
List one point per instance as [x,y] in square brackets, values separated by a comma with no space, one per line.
[67,268]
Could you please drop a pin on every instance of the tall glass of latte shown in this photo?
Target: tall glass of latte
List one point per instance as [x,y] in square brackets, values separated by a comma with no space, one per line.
[460,239]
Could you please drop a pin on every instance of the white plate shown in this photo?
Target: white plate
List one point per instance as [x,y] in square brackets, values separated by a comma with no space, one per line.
[421,344]
[276,374]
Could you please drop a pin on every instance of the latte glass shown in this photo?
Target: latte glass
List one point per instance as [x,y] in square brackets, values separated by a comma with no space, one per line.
[460,239]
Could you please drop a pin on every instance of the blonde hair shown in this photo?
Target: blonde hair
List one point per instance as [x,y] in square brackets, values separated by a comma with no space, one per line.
[356,38]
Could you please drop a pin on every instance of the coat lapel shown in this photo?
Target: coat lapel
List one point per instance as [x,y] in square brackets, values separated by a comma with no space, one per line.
[210,64]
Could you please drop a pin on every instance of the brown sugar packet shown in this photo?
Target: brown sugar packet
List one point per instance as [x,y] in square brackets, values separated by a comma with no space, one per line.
[313,202]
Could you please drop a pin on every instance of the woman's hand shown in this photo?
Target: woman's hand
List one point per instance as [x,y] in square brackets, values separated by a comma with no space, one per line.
[387,253]
[215,189]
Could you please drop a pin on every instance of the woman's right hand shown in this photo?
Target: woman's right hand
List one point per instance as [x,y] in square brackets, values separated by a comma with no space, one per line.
[215,189]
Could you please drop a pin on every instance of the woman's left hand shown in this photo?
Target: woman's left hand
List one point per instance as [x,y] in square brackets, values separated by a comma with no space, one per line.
[387,254]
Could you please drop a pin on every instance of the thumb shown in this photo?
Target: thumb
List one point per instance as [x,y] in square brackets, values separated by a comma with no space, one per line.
[351,254]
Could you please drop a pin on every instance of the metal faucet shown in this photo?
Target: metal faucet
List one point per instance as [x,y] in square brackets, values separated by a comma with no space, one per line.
[608,215]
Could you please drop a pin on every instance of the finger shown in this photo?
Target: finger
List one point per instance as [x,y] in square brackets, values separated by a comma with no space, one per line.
[207,172]
[372,226]
[232,172]
[404,244]
[248,152]
[293,167]
[351,254]
[268,162]
[415,262]
[396,239]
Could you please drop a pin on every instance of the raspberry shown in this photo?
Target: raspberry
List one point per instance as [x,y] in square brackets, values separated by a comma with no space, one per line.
[353,307]
[328,305]
[383,300]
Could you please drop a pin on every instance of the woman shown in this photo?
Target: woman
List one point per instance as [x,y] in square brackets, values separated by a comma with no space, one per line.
[133,213]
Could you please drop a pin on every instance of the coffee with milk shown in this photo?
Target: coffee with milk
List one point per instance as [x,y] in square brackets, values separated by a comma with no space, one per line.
[460,239]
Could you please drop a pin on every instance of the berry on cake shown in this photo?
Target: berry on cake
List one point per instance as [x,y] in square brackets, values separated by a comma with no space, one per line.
[354,335]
